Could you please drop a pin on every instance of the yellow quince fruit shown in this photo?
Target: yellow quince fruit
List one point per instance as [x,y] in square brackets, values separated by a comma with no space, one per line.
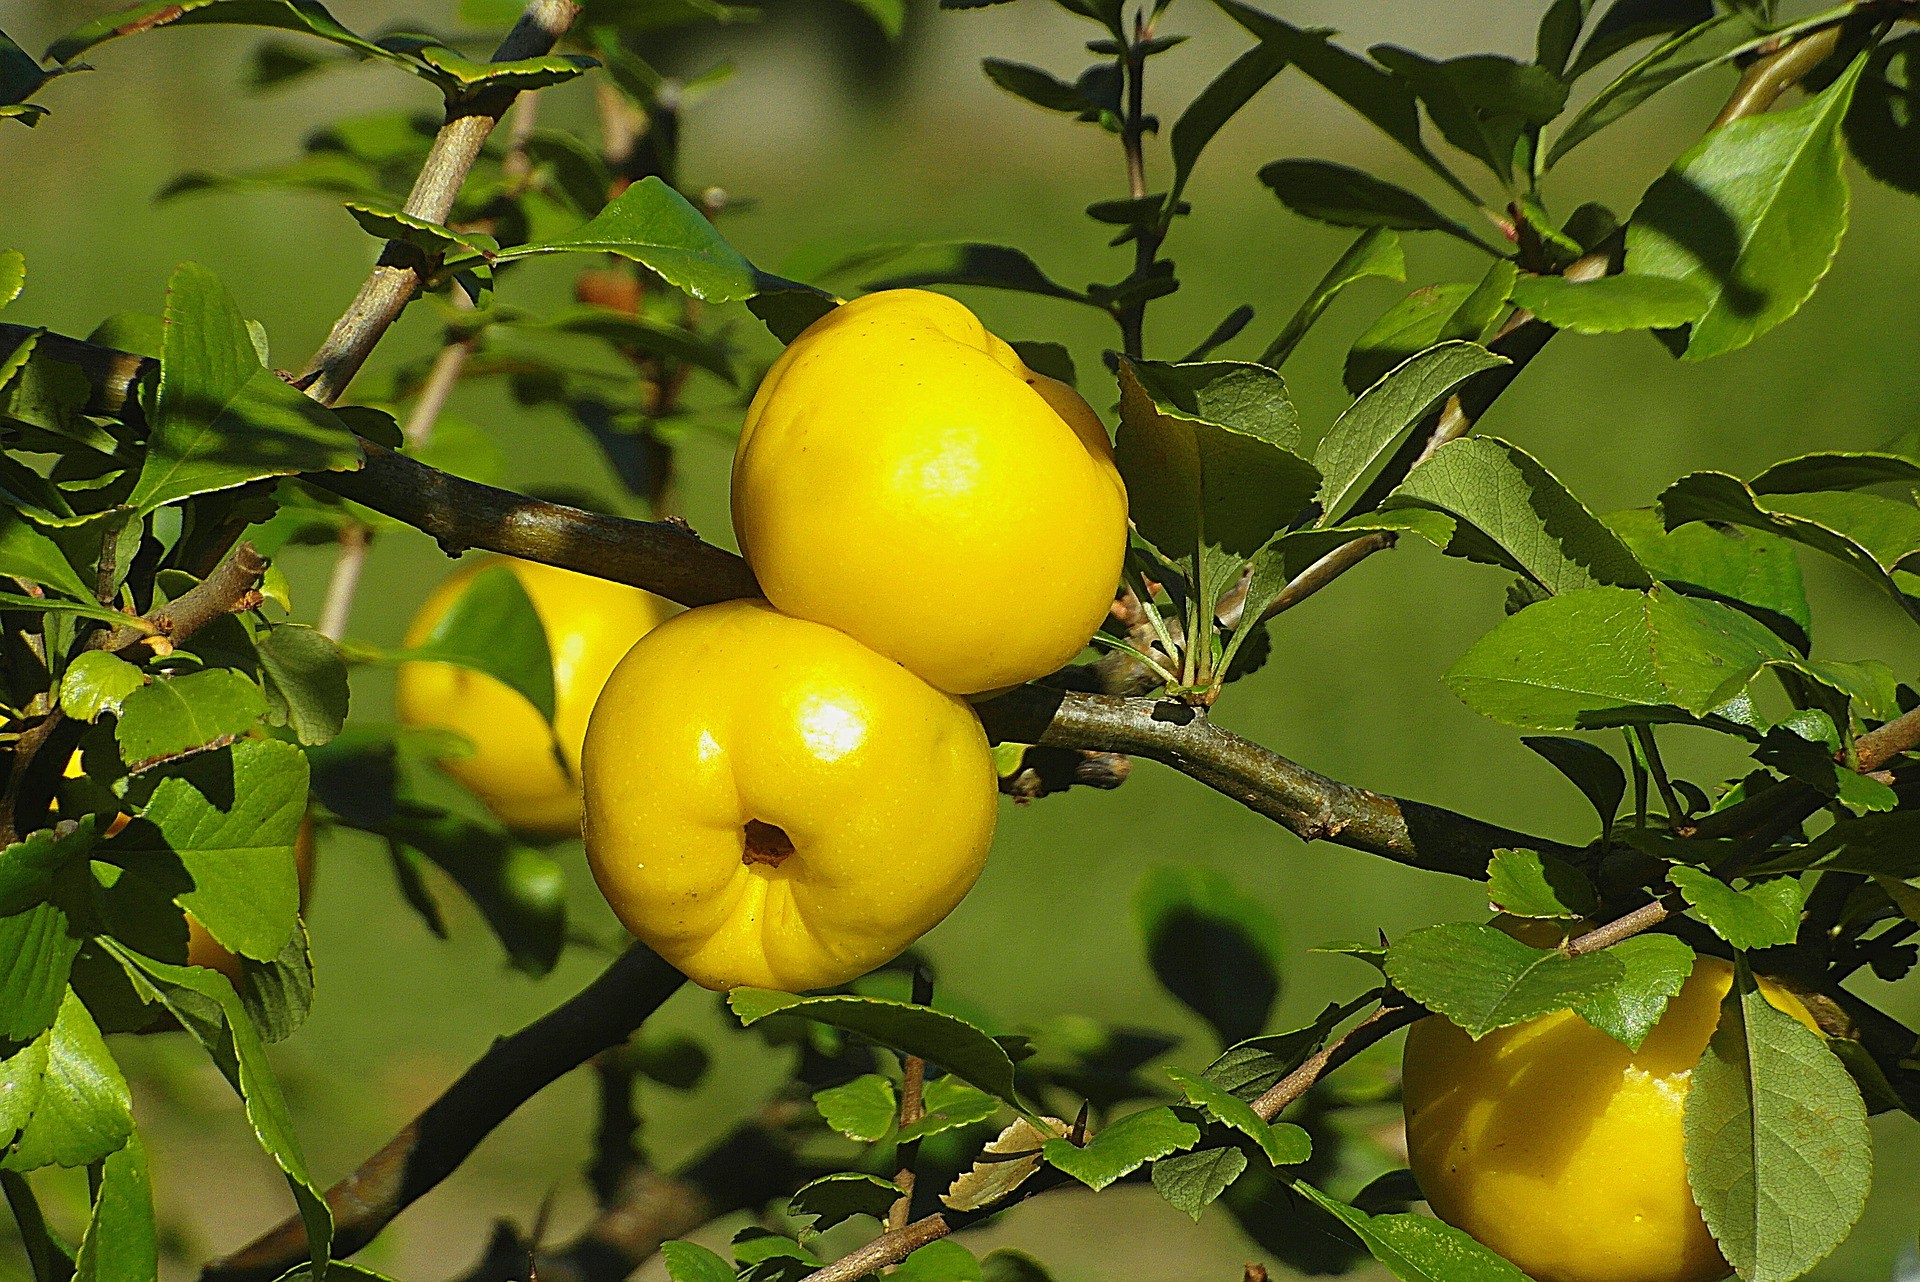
[770,803]
[904,477]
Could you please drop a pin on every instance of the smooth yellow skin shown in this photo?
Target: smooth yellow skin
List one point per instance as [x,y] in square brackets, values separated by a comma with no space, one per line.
[734,713]
[1561,1149]
[904,477]
[589,623]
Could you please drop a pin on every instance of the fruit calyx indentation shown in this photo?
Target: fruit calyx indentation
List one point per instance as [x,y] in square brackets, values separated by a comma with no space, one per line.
[766,844]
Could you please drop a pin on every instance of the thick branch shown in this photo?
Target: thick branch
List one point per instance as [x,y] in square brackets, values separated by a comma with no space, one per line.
[433,1145]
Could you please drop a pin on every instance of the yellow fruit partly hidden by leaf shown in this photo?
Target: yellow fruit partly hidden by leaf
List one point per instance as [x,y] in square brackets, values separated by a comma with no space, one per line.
[1562,1149]
[904,477]
[527,774]
[204,950]
[772,804]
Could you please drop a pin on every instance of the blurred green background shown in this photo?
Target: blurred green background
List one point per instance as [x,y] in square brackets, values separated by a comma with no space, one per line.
[842,142]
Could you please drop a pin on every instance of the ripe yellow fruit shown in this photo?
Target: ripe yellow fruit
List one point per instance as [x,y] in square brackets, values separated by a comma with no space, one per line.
[772,804]
[204,950]
[904,477]
[1561,1149]
[514,768]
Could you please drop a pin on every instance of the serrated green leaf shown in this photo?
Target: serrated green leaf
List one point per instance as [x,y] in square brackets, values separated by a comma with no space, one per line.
[942,1261]
[97,682]
[304,16]
[1423,318]
[1190,1182]
[278,994]
[949,1104]
[1123,1147]
[177,715]
[1249,1069]
[221,418]
[1484,104]
[862,1109]
[1482,978]
[654,225]
[1365,434]
[28,867]
[1749,566]
[29,552]
[121,1242]
[1415,1248]
[1375,252]
[1777,1148]
[37,948]
[1215,949]
[81,1109]
[944,1041]
[1041,88]
[463,79]
[1611,304]
[429,238]
[1347,197]
[1526,883]
[1526,519]
[833,1199]
[1657,967]
[1284,1143]
[690,1262]
[305,681]
[1752,216]
[13,264]
[1764,915]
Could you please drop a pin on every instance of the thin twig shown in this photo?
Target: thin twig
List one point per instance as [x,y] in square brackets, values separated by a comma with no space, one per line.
[1385,1020]
[355,541]
[913,1074]
[884,1251]
[1642,918]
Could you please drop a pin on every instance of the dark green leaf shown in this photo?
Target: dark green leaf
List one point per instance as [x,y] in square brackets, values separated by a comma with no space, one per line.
[862,1109]
[1009,1265]
[1416,1248]
[217,833]
[1580,660]
[1365,435]
[305,680]
[1484,104]
[1611,304]
[1215,105]
[1526,883]
[278,994]
[1764,915]
[653,224]
[1777,1147]
[942,1261]
[1349,197]
[304,16]
[1881,125]
[1872,845]
[1590,767]
[1376,252]
[969,263]
[221,418]
[944,1041]
[1742,566]
[429,238]
[1528,520]
[1123,1147]
[1215,949]
[493,628]
[1628,22]
[1706,43]
[28,867]
[1283,1143]
[37,948]
[1752,216]
[1656,968]
[832,1199]
[65,1094]
[1558,33]
[1041,88]
[29,552]
[1225,332]
[689,1262]
[121,1243]
[519,891]
[1482,978]
[177,715]
[1190,1182]
[1251,1068]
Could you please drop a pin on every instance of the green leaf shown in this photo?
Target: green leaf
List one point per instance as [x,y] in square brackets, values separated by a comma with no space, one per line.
[304,16]
[28,552]
[13,264]
[1526,883]
[1214,106]
[1124,1147]
[1611,304]
[1364,435]
[1041,88]
[968,263]
[1009,1265]
[278,995]
[305,680]
[1423,318]
[1590,768]
[1349,197]
[862,1109]
[121,1243]
[654,225]
[493,628]
[1206,451]
[1879,845]
[1628,22]
[1375,252]
[1744,566]
[1777,1147]
[519,891]
[1253,1067]
[942,1261]
[207,1007]
[65,1094]
[217,833]
[1752,216]
[37,948]
[1190,1182]
[766,1256]
[1416,1248]
[1484,104]
[1218,951]
[1482,978]
[1764,915]
[1837,470]
[1707,43]
[1656,968]
[1284,1143]
[1582,659]
[28,867]
[1528,520]
[97,682]
[429,238]
[463,79]
[221,418]
[175,716]
[833,1199]
[944,1041]
[950,1104]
